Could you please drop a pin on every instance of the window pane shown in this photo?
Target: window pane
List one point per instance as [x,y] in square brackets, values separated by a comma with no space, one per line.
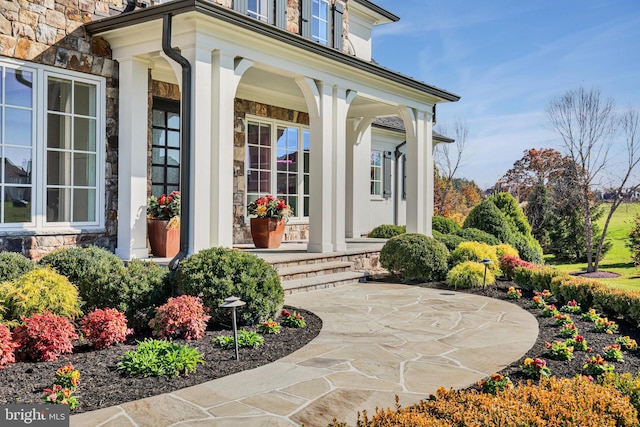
[253,182]
[306,184]
[84,169]
[157,118]
[173,157]
[173,175]
[293,183]
[306,162]
[58,205]
[84,134]
[173,121]
[282,183]
[158,137]
[171,188]
[17,166]
[283,162]
[157,190]
[17,204]
[265,182]
[59,95]
[85,99]
[253,157]
[18,127]
[58,131]
[58,168]
[252,133]
[173,138]
[84,205]
[265,135]
[157,155]
[306,207]
[293,202]
[376,158]
[19,88]
[157,174]
[265,158]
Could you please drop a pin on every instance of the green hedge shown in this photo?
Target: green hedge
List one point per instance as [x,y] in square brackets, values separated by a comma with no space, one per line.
[415,257]
[535,279]
[14,265]
[444,225]
[387,231]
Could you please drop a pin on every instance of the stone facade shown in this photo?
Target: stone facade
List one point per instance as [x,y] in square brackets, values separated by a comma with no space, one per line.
[51,32]
[241,230]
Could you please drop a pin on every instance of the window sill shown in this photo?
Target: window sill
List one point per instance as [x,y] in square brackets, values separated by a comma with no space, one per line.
[50,231]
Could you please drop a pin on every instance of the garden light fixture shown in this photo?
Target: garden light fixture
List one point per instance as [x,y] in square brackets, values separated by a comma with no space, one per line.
[233,303]
[486,262]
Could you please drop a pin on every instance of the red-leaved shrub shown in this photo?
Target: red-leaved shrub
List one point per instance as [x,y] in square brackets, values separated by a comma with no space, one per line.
[44,337]
[7,347]
[105,327]
[508,264]
[181,317]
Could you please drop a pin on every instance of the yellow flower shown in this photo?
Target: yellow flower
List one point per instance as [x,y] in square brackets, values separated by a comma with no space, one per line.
[261,209]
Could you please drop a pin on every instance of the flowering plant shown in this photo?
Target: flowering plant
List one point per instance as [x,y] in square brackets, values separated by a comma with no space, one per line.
[613,353]
[627,343]
[292,320]
[562,319]
[569,330]
[494,383]
[590,316]
[578,343]
[535,368]
[513,293]
[559,350]
[270,207]
[537,302]
[571,307]
[545,294]
[596,365]
[164,207]
[64,385]
[269,327]
[605,325]
[549,311]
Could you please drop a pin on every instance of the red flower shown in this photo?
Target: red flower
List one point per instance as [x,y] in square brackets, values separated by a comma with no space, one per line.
[285,313]
[162,200]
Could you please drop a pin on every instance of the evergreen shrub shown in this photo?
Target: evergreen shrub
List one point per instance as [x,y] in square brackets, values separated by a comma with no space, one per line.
[415,257]
[387,231]
[451,241]
[476,235]
[14,265]
[444,225]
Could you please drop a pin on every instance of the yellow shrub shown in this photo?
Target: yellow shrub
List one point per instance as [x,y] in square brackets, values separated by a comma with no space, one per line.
[505,249]
[469,274]
[474,251]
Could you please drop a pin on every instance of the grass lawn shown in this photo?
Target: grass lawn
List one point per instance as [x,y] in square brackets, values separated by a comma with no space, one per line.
[618,260]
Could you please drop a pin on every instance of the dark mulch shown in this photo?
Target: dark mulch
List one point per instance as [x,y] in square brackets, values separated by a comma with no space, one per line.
[596,274]
[549,332]
[103,386]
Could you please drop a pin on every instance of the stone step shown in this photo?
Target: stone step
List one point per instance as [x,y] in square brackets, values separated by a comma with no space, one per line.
[303,271]
[323,282]
[296,260]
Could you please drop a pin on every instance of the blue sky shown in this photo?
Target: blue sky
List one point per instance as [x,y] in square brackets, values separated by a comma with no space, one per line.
[508,59]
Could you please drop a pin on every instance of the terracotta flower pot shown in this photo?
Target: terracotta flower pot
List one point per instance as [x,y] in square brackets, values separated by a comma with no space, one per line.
[267,232]
[164,242]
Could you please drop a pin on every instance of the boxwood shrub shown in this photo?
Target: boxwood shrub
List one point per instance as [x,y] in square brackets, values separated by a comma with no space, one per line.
[95,271]
[444,225]
[475,235]
[415,257]
[469,274]
[387,231]
[451,241]
[14,265]
[219,273]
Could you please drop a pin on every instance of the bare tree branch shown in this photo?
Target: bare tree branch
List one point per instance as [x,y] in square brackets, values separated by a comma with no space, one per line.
[448,157]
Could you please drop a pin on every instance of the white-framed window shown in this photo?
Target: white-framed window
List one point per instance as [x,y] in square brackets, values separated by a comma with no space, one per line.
[51,148]
[376,173]
[320,21]
[259,9]
[274,164]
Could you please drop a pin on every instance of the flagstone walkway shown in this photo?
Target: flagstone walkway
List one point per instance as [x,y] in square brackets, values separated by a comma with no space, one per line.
[378,340]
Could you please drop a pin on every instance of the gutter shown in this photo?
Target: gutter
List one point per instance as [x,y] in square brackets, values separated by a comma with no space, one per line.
[185,140]
[396,200]
[231,16]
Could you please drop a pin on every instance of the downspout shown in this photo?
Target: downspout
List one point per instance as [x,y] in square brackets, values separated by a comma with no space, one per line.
[396,198]
[185,141]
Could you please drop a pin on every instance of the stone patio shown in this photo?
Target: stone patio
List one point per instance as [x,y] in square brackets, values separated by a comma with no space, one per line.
[378,340]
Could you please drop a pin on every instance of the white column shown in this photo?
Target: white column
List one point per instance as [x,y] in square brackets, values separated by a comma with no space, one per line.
[339,136]
[429,175]
[416,171]
[132,159]
[358,175]
[321,172]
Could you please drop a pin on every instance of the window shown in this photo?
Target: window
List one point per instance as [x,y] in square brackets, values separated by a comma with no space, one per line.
[165,147]
[258,9]
[376,173]
[274,165]
[320,21]
[51,150]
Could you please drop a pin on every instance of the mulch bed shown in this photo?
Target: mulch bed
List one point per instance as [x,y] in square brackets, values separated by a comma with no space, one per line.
[102,386]
[596,274]
[548,332]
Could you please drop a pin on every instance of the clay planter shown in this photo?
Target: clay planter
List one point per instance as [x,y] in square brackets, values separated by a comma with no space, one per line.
[165,243]
[267,232]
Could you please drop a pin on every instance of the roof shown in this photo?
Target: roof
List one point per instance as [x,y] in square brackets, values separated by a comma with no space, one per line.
[211,9]
[379,10]
[396,124]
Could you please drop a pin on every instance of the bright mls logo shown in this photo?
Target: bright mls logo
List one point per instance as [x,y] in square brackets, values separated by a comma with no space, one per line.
[34,415]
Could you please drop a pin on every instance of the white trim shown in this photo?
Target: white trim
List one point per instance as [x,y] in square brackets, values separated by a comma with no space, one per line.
[39,225]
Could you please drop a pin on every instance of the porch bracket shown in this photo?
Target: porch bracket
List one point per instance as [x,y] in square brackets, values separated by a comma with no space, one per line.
[241,65]
[362,126]
[351,95]
[311,94]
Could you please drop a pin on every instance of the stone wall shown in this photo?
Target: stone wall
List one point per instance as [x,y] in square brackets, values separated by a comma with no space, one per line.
[51,32]
[241,231]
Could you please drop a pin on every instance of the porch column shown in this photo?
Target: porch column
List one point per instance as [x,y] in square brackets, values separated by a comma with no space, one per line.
[200,200]
[419,171]
[132,159]
[358,172]
[339,142]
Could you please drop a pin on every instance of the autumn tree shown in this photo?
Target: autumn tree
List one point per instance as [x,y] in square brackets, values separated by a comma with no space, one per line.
[448,159]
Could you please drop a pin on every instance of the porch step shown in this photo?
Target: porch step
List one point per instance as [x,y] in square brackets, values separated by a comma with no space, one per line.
[322,282]
[303,271]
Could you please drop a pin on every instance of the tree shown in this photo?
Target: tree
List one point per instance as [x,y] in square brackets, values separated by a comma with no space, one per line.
[539,211]
[584,122]
[448,158]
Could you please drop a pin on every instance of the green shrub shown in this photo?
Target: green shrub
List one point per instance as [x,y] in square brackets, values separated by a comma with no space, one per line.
[95,271]
[474,251]
[245,339]
[14,265]
[415,257]
[627,384]
[487,217]
[387,231]
[451,241]
[567,288]
[444,225]
[219,273]
[528,248]
[145,286]
[508,205]
[505,249]
[469,274]
[475,235]
[536,279]
[37,291]
[158,358]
